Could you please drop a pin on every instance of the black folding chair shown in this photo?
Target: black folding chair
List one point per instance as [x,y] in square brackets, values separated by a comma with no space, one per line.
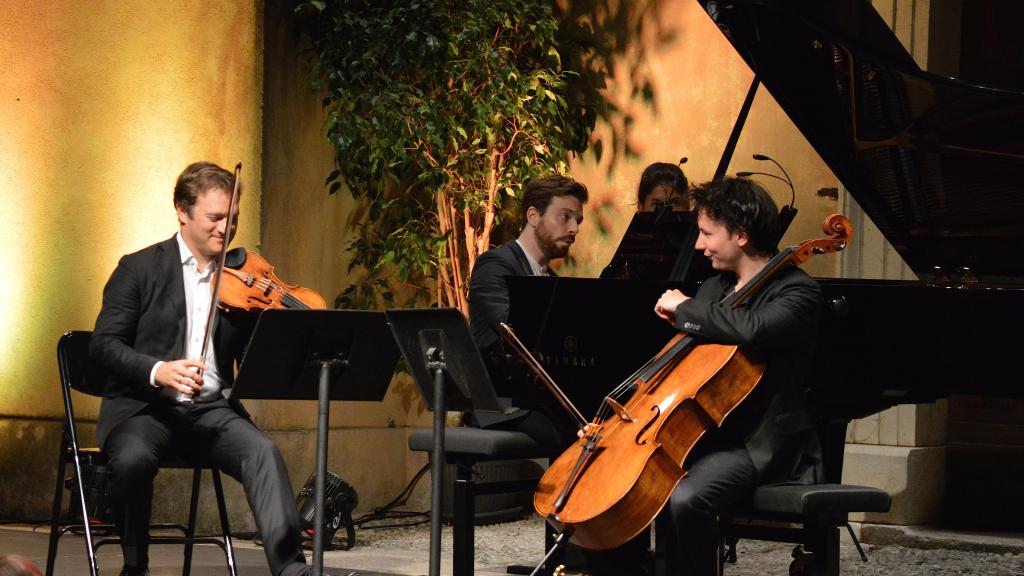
[79,373]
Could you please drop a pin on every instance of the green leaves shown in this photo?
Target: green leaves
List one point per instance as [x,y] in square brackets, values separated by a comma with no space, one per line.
[463,98]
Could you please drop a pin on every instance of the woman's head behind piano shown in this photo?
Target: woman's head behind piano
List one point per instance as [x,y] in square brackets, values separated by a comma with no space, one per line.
[662,184]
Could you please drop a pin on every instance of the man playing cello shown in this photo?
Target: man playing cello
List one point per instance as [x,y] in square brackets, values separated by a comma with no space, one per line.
[770,437]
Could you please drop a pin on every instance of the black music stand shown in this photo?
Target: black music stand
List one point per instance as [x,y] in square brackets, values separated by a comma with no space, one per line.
[660,246]
[318,355]
[449,372]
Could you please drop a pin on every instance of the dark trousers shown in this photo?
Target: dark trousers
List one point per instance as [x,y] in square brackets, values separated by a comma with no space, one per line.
[212,432]
[719,474]
[541,427]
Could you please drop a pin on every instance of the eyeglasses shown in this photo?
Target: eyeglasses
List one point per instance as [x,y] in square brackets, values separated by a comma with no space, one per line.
[673,202]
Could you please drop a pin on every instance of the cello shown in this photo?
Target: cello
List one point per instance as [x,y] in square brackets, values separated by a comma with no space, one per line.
[611,483]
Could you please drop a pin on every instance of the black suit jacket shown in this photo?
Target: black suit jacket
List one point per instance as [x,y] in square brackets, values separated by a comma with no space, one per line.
[142,321]
[488,292]
[488,306]
[780,323]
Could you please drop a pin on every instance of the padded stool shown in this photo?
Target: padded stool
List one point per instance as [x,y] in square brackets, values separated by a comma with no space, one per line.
[463,448]
[818,510]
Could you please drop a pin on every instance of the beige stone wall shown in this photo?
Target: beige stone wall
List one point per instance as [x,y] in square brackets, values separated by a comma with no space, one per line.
[699,83]
[103,104]
[304,234]
[901,449]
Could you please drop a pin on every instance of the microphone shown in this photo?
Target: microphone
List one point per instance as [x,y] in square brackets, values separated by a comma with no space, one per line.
[786,213]
[683,160]
[777,177]
[789,180]
[786,216]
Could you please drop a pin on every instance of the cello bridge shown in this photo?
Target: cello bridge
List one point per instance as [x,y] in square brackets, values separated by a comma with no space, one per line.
[620,410]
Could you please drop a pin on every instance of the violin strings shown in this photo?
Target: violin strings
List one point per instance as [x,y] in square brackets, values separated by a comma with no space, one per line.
[293,302]
[287,299]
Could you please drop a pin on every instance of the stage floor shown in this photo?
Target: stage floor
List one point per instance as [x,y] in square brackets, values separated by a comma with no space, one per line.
[405,552]
[377,553]
[207,560]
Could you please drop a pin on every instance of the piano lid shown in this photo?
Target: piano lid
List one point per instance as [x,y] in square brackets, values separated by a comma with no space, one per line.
[936,163]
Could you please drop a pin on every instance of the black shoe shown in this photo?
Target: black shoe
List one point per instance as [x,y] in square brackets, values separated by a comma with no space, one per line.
[133,571]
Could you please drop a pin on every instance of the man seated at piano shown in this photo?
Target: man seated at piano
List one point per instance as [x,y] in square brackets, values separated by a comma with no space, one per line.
[770,437]
[552,211]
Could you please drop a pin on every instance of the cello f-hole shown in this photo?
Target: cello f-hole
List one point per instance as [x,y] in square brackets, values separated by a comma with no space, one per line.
[657,413]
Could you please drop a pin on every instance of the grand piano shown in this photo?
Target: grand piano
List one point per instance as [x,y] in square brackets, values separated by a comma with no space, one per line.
[936,163]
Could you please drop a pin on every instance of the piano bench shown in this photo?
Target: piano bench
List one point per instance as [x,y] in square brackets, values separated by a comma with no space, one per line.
[463,448]
[807,515]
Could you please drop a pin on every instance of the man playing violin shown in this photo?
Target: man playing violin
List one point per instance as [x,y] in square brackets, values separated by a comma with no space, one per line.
[161,399]
[770,437]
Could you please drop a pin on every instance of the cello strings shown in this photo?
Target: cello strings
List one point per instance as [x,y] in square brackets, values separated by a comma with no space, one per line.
[604,411]
[651,368]
[664,363]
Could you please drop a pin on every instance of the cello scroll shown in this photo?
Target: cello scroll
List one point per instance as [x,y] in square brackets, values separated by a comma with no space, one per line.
[837,227]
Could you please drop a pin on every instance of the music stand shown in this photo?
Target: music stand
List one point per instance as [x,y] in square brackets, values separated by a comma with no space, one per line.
[660,246]
[449,372]
[318,355]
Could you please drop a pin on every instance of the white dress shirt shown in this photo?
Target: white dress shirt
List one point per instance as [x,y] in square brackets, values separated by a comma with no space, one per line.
[198,286]
[535,267]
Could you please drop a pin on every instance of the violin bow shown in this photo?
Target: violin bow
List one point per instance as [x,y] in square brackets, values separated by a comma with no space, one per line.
[215,292]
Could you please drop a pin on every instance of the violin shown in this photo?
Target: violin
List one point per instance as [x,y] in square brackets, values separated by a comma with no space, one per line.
[244,281]
[614,480]
[249,283]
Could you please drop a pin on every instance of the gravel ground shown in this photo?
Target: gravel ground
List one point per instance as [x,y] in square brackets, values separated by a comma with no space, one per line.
[521,542]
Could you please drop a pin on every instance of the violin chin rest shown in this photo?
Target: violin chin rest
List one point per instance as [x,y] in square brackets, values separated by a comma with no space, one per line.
[235,258]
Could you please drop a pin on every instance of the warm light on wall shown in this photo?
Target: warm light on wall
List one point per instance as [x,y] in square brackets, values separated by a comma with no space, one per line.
[15,287]
[95,127]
